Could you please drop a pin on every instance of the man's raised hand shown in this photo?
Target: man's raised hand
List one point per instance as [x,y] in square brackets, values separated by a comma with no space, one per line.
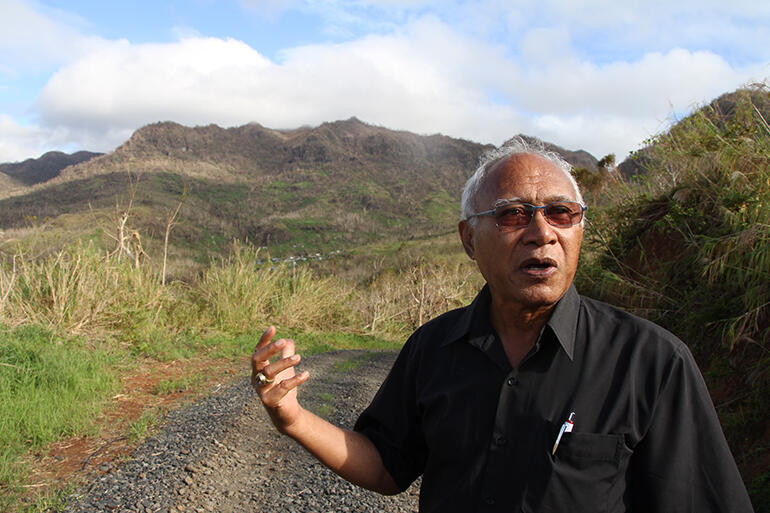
[278,389]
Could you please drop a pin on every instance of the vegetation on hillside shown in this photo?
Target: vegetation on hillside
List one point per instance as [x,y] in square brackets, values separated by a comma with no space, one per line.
[688,246]
[331,187]
[327,188]
[41,169]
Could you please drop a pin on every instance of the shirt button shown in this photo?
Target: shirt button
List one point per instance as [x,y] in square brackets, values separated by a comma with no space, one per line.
[489,501]
[513,381]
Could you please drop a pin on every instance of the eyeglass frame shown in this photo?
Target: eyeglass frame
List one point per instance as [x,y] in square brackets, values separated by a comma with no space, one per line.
[535,208]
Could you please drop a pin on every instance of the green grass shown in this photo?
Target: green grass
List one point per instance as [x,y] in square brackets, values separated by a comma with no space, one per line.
[326,407]
[50,387]
[352,364]
[50,501]
[141,427]
[180,384]
[441,207]
[307,343]
[315,342]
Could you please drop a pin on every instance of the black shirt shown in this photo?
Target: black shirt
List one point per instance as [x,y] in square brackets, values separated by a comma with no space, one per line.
[646,437]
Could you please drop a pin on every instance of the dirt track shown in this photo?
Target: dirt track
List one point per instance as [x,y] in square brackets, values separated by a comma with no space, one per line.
[222,454]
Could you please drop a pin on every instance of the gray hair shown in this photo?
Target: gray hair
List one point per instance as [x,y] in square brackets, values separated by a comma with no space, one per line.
[515,146]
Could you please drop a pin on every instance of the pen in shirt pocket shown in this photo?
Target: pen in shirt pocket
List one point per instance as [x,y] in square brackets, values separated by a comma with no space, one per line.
[565,428]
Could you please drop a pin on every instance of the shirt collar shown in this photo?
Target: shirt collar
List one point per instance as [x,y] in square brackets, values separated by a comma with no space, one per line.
[474,321]
[563,321]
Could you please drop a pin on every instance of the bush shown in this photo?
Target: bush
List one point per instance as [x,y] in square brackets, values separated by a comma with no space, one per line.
[689,247]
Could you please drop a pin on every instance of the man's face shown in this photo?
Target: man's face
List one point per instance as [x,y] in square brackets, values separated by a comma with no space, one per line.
[529,267]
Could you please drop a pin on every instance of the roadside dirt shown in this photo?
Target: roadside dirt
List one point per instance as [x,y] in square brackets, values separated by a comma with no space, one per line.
[224,457]
[73,460]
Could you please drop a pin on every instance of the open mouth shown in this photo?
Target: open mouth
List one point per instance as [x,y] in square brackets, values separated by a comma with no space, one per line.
[538,264]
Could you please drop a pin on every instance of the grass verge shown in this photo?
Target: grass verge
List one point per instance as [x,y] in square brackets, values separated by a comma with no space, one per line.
[49,388]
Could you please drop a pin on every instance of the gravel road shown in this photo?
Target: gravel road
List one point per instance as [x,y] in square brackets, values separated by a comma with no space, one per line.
[222,454]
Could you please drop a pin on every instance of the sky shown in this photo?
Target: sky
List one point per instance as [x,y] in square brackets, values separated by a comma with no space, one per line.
[599,75]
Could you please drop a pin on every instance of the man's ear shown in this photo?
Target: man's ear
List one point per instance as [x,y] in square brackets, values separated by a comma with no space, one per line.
[466,236]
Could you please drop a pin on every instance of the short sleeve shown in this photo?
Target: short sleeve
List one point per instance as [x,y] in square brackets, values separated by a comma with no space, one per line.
[392,420]
[683,462]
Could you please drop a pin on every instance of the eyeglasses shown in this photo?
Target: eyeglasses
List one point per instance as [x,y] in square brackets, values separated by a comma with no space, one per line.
[514,215]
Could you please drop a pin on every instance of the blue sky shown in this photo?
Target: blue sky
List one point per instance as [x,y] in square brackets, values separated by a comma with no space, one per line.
[600,75]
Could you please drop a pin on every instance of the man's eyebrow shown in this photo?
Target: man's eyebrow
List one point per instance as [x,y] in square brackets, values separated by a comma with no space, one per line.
[509,200]
[559,198]
[518,199]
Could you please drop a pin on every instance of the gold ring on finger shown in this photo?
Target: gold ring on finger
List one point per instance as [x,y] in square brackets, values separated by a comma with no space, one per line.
[263,380]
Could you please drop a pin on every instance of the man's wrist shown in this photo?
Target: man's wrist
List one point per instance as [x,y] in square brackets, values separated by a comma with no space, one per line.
[296,428]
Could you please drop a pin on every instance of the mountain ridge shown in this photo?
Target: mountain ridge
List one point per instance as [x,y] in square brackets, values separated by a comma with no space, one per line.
[42,169]
[340,183]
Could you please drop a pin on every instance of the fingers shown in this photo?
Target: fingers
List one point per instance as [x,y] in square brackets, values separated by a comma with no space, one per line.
[266,349]
[275,369]
[273,394]
[276,383]
[266,337]
[281,372]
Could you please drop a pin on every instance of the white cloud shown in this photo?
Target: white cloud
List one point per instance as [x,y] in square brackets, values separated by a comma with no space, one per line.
[19,142]
[33,39]
[417,79]
[599,134]
[426,78]
[678,77]
[736,29]
[190,81]
[479,70]
[613,108]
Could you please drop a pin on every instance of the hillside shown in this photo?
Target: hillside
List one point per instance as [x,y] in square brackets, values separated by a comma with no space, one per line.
[719,111]
[578,159]
[336,185]
[39,170]
[689,248]
[9,186]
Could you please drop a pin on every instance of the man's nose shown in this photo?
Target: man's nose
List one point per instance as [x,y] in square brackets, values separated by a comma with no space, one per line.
[539,230]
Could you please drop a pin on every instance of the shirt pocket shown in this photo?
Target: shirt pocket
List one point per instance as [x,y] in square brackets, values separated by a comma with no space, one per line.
[585,471]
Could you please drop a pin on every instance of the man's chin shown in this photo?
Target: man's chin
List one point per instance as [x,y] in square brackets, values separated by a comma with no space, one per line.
[539,296]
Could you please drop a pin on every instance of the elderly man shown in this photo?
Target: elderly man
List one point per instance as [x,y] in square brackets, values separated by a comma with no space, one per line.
[532,398]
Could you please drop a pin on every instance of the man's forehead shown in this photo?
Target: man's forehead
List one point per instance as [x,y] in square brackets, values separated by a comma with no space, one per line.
[518,176]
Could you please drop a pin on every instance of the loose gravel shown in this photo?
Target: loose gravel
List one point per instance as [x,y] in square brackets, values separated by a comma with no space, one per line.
[222,454]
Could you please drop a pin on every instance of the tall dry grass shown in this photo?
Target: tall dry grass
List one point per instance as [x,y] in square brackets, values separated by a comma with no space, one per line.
[81,291]
[244,292]
[397,301]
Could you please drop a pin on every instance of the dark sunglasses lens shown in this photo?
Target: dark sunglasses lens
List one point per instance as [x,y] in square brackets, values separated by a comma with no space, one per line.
[564,213]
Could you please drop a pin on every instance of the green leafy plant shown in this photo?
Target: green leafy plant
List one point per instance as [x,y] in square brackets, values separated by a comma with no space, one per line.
[688,246]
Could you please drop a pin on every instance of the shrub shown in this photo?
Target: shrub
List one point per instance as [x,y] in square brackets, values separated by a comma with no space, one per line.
[689,247]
